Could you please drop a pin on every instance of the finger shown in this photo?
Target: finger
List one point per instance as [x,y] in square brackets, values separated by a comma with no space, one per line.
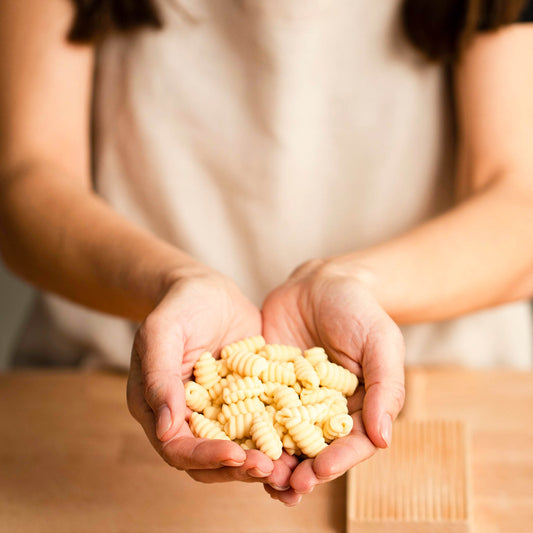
[222,475]
[344,453]
[303,479]
[383,371]
[159,346]
[288,497]
[279,479]
[191,453]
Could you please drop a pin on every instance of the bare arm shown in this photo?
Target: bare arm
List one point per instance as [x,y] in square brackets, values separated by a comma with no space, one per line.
[55,231]
[59,235]
[476,255]
[480,253]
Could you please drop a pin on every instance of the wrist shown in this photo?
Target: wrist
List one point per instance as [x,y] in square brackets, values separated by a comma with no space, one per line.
[338,267]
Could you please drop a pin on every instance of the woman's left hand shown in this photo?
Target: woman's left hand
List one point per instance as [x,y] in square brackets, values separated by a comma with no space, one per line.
[321,305]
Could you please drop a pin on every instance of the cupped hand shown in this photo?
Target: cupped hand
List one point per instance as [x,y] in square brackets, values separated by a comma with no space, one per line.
[323,305]
[200,312]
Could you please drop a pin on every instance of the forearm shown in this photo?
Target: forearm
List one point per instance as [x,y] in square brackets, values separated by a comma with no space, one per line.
[477,255]
[65,239]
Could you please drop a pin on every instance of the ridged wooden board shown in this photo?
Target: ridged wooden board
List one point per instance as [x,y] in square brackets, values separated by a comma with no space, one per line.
[418,485]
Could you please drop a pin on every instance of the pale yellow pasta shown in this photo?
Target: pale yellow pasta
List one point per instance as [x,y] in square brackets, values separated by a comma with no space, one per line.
[279,373]
[215,392]
[212,412]
[246,363]
[336,406]
[279,352]
[196,397]
[312,413]
[238,426]
[205,428]
[249,405]
[336,377]
[247,444]
[271,412]
[270,397]
[337,426]
[222,368]
[205,371]
[280,429]
[286,397]
[319,395]
[307,437]
[315,355]
[265,437]
[251,344]
[242,388]
[305,373]
[267,396]
[289,445]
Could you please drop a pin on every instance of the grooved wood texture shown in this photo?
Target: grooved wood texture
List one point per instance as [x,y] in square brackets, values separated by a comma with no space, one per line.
[419,484]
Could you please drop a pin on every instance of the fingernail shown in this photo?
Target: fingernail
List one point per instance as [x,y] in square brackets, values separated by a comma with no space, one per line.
[255,472]
[308,491]
[386,428]
[294,503]
[231,462]
[164,421]
[281,489]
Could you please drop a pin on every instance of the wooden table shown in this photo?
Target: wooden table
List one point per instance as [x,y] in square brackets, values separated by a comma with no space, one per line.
[72,459]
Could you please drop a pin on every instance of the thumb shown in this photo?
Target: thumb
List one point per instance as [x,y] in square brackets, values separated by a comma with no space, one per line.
[160,349]
[383,373]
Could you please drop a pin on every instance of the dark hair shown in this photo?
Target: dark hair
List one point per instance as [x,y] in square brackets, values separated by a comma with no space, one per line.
[440,29]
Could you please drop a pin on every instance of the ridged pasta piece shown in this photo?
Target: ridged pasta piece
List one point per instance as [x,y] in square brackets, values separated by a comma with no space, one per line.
[196,397]
[315,355]
[305,373]
[205,371]
[336,377]
[271,412]
[205,428]
[238,426]
[307,437]
[265,437]
[247,444]
[280,429]
[279,352]
[312,413]
[336,406]
[319,395]
[297,388]
[246,363]
[289,445]
[215,392]
[337,426]
[251,344]
[267,396]
[242,388]
[285,397]
[222,367]
[279,373]
[249,405]
[212,412]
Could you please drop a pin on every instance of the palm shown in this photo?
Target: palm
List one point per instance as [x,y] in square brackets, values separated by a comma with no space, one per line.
[343,318]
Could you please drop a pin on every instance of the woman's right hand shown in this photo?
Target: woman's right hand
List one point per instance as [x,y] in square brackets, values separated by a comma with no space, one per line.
[199,312]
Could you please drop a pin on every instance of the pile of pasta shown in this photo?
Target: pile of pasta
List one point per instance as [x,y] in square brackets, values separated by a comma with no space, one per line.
[270,397]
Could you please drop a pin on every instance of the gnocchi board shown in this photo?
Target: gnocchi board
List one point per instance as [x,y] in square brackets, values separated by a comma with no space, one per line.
[420,484]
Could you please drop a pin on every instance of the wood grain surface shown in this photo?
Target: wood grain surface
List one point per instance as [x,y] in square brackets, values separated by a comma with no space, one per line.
[73,459]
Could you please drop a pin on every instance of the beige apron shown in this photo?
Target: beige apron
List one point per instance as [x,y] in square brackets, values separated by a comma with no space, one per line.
[257,134]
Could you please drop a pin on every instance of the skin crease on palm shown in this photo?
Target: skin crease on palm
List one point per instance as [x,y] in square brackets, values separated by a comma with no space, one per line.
[311,309]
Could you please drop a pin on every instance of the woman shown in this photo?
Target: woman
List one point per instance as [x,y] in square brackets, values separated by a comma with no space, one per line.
[235,140]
